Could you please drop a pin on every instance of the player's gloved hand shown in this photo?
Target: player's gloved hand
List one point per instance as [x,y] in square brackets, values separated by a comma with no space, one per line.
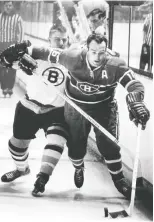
[27,64]
[14,53]
[138,112]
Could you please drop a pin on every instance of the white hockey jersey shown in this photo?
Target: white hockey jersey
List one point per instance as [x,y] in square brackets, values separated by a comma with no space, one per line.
[41,94]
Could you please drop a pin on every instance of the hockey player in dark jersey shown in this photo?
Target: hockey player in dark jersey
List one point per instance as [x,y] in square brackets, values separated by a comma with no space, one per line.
[91,85]
[40,108]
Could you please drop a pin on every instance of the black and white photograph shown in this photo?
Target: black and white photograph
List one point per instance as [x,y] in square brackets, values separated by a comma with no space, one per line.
[76,110]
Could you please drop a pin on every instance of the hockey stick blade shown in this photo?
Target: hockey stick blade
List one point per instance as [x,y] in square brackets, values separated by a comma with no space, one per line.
[118,214]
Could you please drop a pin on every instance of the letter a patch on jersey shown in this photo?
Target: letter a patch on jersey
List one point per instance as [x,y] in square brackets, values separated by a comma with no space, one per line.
[104,74]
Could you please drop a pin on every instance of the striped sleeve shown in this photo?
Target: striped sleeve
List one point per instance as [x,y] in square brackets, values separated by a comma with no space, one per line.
[11,28]
[20,29]
[67,57]
[129,81]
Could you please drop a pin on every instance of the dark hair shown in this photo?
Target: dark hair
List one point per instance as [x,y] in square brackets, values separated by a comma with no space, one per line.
[57,27]
[97,37]
[98,12]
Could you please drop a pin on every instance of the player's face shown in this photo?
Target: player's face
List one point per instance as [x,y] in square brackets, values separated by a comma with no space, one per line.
[96,53]
[94,22]
[58,40]
[8,7]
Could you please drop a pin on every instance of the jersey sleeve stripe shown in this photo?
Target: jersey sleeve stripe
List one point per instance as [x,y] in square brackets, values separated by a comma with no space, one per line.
[54,56]
[135,86]
[126,78]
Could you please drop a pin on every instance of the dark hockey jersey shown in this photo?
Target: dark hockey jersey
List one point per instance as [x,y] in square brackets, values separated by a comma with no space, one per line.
[92,86]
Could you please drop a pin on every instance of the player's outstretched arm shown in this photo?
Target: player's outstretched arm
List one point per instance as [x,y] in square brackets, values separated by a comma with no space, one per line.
[138,111]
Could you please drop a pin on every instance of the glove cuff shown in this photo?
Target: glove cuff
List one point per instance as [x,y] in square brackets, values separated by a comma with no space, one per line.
[134,97]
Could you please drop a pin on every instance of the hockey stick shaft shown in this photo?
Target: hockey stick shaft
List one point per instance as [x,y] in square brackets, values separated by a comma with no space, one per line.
[135,170]
[82,17]
[65,20]
[94,122]
[129,211]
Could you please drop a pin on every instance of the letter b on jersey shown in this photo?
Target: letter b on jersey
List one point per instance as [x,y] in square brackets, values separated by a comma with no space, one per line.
[53,76]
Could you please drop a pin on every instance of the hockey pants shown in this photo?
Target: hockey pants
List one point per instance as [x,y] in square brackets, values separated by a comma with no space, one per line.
[107,115]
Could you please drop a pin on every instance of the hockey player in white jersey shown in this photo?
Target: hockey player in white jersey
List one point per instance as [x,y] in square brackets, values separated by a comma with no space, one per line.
[41,108]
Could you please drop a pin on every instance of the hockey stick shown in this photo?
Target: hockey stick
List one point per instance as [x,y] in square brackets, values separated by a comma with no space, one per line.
[65,20]
[94,122]
[82,17]
[129,211]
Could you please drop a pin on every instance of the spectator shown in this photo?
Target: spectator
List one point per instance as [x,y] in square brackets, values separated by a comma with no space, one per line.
[97,21]
[146,57]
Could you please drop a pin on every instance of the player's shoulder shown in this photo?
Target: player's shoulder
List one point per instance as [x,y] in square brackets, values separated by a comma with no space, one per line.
[74,51]
[37,49]
[58,66]
[116,61]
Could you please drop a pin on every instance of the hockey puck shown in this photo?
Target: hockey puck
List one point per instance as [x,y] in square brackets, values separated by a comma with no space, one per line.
[106,212]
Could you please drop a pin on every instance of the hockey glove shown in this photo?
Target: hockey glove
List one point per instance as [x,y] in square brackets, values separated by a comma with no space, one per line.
[138,112]
[27,64]
[13,53]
